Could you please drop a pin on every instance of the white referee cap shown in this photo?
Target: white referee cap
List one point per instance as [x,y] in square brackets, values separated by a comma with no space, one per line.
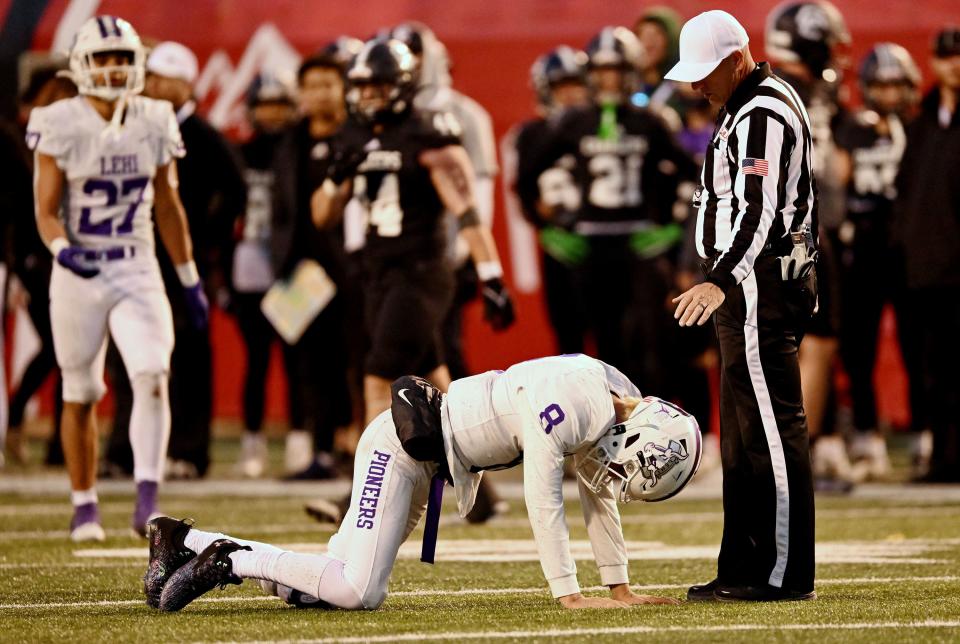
[705,41]
[173,60]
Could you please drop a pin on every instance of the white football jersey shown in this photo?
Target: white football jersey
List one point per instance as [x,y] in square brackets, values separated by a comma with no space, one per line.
[538,412]
[108,197]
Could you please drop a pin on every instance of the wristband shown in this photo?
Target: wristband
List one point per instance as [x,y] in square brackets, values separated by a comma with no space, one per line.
[187,272]
[468,219]
[58,245]
[487,271]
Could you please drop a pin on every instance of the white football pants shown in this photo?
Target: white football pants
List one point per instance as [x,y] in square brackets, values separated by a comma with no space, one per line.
[390,492]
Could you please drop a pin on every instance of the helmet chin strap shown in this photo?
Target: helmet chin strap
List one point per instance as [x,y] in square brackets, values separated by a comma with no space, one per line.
[116,121]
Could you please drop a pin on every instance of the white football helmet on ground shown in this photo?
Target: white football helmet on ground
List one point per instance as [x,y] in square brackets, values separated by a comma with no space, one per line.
[102,34]
[650,457]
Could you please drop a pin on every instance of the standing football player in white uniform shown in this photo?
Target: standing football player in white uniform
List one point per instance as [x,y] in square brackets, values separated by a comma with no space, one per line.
[625,447]
[104,160]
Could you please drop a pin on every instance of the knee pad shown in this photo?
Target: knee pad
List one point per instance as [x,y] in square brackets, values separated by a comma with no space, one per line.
[82,385]
[151,384]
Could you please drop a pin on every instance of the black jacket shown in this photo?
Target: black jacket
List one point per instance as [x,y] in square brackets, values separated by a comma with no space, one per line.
[213,193]
[927,208]
[300,163]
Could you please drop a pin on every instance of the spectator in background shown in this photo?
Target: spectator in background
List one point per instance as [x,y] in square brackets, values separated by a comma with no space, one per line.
[214,196]
[271,108]
[927,224]
[30,260]
[318,398]
[658,29]
[870,145]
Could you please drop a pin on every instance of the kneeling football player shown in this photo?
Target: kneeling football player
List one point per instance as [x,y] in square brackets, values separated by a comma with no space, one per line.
[626,448]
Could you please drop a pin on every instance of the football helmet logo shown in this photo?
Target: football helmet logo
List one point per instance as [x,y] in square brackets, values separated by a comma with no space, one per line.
[649,457]
[99,35]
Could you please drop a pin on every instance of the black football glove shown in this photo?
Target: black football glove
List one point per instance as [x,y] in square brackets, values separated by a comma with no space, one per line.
[345,162]
[497,305]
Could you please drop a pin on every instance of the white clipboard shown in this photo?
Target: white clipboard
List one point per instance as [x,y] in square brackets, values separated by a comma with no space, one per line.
[292,305]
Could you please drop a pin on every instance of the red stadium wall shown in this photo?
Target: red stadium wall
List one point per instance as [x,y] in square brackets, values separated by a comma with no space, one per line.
[492,44]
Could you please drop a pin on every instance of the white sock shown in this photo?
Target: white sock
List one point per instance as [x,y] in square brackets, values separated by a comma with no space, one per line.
[82,497]
[317,575]
[149,425]
[198,540]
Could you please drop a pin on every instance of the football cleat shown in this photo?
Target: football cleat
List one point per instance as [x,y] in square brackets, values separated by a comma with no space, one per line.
[85,524]
[203,573]
[87,532]
[167,554]
[326,511]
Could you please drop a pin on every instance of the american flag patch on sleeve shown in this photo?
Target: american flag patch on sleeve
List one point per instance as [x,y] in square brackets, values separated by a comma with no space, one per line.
[755,166]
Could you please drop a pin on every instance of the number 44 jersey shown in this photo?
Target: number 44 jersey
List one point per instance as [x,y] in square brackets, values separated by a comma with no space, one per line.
[404,211]
[108,197]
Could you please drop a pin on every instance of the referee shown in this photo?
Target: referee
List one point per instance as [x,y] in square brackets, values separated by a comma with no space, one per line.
[757,204]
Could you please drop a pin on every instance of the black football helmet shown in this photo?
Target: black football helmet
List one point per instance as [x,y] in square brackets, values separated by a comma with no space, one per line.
[415,35]
[382,62]
[615,48]
[809,32]
[430,54]
[888,62]
[342,50]
[560,65]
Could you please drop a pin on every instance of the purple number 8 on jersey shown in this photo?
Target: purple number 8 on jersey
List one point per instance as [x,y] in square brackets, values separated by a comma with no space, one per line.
[550,417]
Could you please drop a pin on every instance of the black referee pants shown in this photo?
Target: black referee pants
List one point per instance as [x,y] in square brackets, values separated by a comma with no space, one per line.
[768,524]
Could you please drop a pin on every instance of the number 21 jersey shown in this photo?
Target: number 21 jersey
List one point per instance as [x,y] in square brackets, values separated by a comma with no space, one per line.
[108,195]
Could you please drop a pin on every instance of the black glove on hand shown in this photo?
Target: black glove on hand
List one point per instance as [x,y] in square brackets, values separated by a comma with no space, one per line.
[497,305]
[345,162]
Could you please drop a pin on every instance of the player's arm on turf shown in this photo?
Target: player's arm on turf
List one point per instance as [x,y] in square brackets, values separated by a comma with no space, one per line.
[170,216]
[48,181]
[452,176]
[543,494]
[602,517]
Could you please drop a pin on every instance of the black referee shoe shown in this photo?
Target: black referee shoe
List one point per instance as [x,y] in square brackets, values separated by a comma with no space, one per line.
[761,594]
[703,592]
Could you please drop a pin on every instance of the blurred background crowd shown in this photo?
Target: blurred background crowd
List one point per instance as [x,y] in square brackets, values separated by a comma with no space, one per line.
[886,127]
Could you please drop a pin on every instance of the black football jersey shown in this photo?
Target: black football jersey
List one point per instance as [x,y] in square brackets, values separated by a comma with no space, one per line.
[555,186]
[625,181]
[875,160]
[404,211]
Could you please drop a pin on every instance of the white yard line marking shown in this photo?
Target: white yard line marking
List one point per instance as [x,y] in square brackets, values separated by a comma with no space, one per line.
[449,519]
[622,630]
[294,528]
[905,551]
[700,488]
[840,581]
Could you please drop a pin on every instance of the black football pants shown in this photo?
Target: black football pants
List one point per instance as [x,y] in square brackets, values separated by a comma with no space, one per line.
[768,511]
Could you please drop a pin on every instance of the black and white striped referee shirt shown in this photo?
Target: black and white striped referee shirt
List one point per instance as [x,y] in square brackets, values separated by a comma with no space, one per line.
[757,183]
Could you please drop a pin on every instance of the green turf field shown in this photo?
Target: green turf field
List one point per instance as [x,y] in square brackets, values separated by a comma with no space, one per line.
[889,570]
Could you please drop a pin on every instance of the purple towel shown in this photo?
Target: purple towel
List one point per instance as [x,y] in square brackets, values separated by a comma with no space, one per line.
[433,519]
